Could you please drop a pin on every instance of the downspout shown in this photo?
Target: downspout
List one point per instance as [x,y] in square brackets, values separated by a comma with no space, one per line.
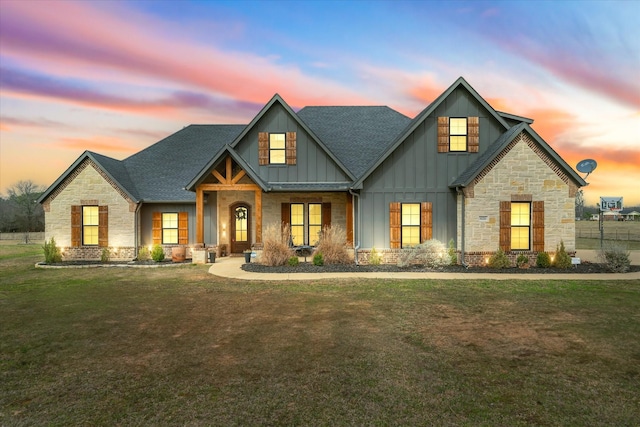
[356,247]
[462,228]
[136,222]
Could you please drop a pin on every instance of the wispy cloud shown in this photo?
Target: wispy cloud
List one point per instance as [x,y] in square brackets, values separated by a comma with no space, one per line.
[97,143]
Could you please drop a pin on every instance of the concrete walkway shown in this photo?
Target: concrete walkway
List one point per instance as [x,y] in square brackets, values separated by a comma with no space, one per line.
[231,267]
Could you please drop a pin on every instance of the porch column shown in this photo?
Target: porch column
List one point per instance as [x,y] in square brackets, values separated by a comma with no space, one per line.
[199,216]
[258,193]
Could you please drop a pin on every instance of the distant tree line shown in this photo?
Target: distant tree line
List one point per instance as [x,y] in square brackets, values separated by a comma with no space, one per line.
[19,210]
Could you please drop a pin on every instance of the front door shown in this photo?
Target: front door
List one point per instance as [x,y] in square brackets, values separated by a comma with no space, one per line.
[240,228]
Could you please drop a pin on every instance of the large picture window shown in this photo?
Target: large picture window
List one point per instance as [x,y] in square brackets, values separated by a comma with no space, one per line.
[170,228]
[520,225]
[297,223]
[90,225]
[458,134]
[410,224]
[315,223]
[277,149]
[306,221]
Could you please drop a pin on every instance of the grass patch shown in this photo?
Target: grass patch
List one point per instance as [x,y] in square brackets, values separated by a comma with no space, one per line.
[179,346]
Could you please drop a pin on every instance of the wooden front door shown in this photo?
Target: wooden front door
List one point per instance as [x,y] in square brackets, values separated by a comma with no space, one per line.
[240,228]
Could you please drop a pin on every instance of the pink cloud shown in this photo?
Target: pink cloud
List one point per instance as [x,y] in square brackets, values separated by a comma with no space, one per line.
[98,144]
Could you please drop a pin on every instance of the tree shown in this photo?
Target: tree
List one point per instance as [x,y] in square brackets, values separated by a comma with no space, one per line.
[29,214]
[579,204]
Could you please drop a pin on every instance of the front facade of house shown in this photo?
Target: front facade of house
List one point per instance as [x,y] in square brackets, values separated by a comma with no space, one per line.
[458,171]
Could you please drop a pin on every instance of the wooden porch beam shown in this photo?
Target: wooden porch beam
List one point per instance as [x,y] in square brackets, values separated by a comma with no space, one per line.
[218,176]
[238,177]
[229,170]
[229,187]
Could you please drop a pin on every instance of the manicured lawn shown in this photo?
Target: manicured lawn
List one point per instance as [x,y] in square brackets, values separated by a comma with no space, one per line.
[177,346]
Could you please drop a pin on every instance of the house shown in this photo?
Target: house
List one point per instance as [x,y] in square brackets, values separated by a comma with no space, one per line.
[459,171]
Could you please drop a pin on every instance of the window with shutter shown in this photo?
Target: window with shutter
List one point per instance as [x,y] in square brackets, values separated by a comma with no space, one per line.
[426,221]
[458,134]
[505,226]
[76,226]
[291,148]
[183,228]
[263,148]
[103,226]
[156,225]
[538,226]
[394,225]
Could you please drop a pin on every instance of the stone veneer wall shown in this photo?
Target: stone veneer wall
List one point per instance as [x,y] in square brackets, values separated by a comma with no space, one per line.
[522,170]
[88,186]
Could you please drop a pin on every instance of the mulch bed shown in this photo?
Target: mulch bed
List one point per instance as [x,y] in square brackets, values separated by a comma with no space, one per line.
[584,268]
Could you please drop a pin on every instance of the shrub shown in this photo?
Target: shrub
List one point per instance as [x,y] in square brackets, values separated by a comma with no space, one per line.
[543,260]
[293,261]
[143,254]
[157,253]
[562,258]
[522,260]
[333,245]
[453,256]
[106,255]
[499,260]
[374,257]
[431,254]
[52,253]
[318,260]
[276,250]
[615,256]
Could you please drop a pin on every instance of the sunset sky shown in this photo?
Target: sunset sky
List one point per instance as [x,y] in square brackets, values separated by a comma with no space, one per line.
[116,76]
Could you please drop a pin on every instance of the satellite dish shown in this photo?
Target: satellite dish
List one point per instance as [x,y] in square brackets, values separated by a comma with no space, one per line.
[586,166]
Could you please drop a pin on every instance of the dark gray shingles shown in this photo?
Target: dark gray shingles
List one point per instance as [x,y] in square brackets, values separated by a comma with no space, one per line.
[355,135]
[161,171]
[118,171]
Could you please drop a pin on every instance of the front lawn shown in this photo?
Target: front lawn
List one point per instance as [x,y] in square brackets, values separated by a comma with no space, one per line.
[181,347]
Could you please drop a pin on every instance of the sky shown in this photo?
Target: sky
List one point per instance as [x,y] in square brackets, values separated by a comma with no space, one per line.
[117,76]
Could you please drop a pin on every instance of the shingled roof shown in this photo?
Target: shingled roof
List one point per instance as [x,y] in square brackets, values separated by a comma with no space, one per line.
[356,135]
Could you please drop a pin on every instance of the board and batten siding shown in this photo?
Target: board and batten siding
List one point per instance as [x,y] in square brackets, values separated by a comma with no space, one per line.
[312,162]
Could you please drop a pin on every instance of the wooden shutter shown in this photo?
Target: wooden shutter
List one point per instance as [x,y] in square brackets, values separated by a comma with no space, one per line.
[394,225]
[103,226]
[426,221]
[156,226]
[291,148]
[183,228]
[285,215]
[473,137]
[443,134]
[76,226]
[326,215]
[538,226]
[263,148]
[505,226]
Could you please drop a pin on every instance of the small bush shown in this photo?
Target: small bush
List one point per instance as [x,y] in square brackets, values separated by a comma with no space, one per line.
[543,260]
[615,256]
[430,254]
[143,254]
[522,260]
[106,255]
[276,250]
[293,261]
[52,253]
[562,258]
[374,257]
[318,259]
[453,256]
[333,245]
[499,260]
[157,253]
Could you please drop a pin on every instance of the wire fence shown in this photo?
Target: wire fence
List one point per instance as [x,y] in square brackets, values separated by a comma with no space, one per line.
[32,237]
[614,234]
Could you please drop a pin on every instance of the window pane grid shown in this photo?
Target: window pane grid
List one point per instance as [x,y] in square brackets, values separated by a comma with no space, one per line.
[457,134]
[90,222]
[297,223]
[410,217]
[520,226]
[170,228]
[277,147]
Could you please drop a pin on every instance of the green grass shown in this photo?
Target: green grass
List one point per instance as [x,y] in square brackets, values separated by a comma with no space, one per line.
[177,346]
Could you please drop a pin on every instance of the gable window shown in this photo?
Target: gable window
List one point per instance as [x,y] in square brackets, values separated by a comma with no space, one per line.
[277,149]
[520,225]
[409,224]
[458,134]
[170,228]
[306,221]
[90,224]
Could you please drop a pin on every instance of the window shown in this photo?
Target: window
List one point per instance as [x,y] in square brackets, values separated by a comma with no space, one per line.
[170,228]
[520,225]
[297,223]
[90,224]
[458,134]
[277,149]
[410,224]
[315,223]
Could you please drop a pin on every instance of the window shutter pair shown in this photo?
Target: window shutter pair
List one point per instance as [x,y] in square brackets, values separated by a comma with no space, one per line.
[183,228]
[263,148]
[395,223]
[76,226]
[537,226]
[473,134]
